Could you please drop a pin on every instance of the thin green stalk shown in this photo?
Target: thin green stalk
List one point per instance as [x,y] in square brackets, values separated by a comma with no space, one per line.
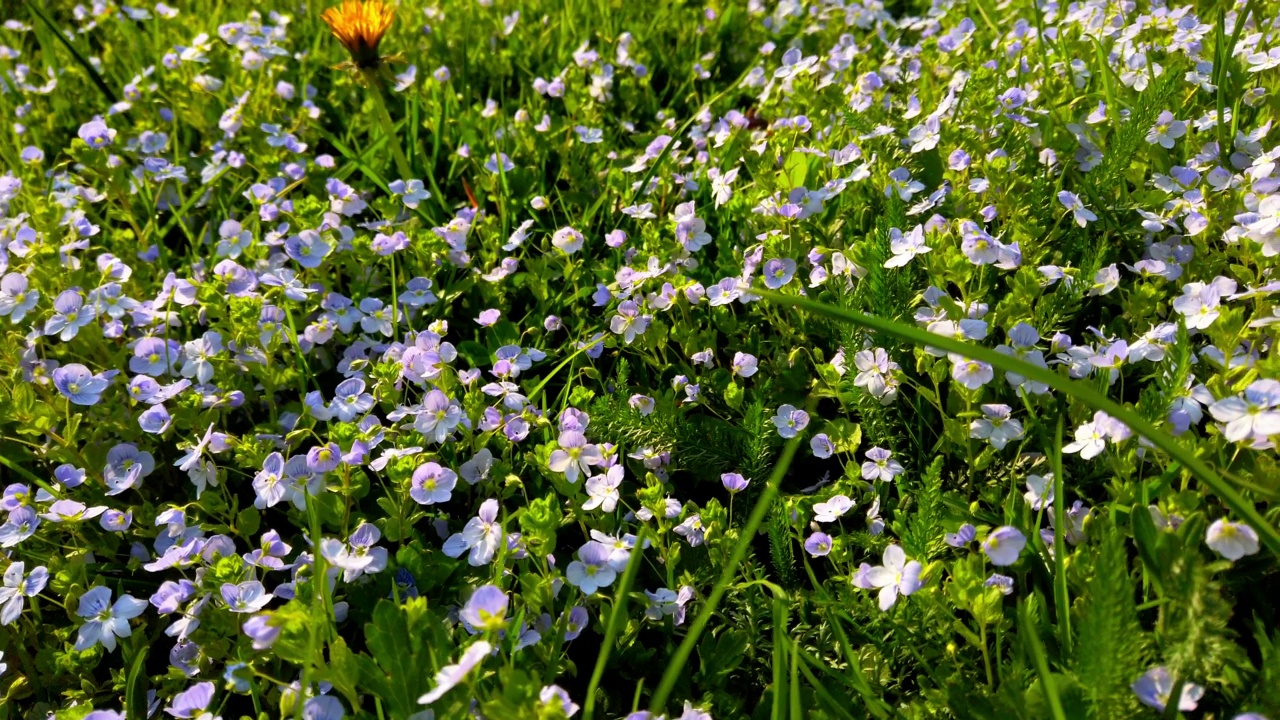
[388,128]
[1060,599]
[611,627]
[763,503]
[1076,389]
[1028,633]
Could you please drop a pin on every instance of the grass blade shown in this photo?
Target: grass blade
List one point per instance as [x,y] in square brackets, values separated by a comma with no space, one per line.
[89,69]
[763,503]
[1073,388]
[611,627]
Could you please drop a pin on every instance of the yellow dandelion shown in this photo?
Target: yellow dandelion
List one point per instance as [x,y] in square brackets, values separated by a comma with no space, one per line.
[359,25]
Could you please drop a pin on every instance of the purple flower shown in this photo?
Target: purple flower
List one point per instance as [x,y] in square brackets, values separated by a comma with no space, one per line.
[22,524]
[77,384]
[488,317]
[778,272]
[744,365]
[895,577]
[1003,545]
[192,702]
[260,630]
[733,482]
[96,134]
[308,248]
[247,597]
[154,420]
[818,544]
[833,509]
[790,421]
[357,556]
[961,537]
[1003,583]
[1231,540]
[324,458]
[350,400]
[451,675]
[822,446]
[481,536]
[591,570]
[18,587]
[486,609]
[1156,685]
[575,456]
[972,374]
[432,484]
[880,465]
[105,621]
[602,490]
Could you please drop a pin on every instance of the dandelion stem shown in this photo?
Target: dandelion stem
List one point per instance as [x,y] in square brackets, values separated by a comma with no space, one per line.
[388,128]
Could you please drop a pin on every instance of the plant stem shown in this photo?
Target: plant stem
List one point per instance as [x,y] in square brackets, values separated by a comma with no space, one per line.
[388,128]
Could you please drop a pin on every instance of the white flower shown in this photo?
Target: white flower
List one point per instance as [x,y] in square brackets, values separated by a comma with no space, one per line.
[1231,540]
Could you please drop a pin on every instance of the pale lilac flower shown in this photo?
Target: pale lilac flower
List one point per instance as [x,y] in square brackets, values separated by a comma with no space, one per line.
[486,609]
[1156,685]
[691,530]
[105,621]
[905,247]
[480,536]
[832,509]
[602,490]
[76,383]
[629,322]
[818,544]
[591,570]
[1071,201]
[1252,417]
[1039,493]
[896,576]
[451,675]
[431,484]
[790,421]
[574,456]
[18,587]
[997,427]
[961,537]
[744,365]
[822,446]
[357,556]
[880,466]
[247,597]
[1231,540]
[1166,130]
[733,482]
[1003,545]
[972,374]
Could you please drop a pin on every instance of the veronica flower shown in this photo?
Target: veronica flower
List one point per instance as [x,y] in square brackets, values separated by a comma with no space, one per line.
[997,428]
[1003,545]
[105,621]
[905,247]
[1255,416]
[77,384]
[962,536]
[1156,685]
[358,555]
[629,322]
[432,484]
[591,570]
[1083,215]
[438,418]
[733,482]
[359,25]
[790,421]
[778,272]
[1166,130]
[192,702]
[1231,540]
[18,587]
[486,609]
[875,374]
[602,490]
[1039,493]
[451,675]
[897,576]
[818,544]
[972,374]
[575,455]
[831,510]
[744,365]
[247,597]
[481,536]
[880,465]
[16,299]
[691,530]
[20,525]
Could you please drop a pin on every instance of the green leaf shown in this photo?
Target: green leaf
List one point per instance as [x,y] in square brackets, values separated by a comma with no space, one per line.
[248,521]
[721,655]
[135,687]
[343,671]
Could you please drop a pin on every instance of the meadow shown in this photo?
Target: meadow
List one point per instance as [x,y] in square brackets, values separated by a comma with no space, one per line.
[632,360]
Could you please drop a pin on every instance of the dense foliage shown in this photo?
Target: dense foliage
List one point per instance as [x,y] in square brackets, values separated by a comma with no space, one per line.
[815,358]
